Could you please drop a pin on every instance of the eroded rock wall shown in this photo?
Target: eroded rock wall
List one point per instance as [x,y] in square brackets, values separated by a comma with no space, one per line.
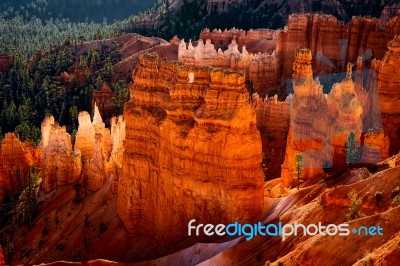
[193,151]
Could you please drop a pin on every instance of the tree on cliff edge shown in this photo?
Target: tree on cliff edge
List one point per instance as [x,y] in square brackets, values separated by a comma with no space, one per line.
[298,169]
[352,154]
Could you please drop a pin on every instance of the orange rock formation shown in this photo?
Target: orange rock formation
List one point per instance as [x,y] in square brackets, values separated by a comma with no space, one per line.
[97,153]
[261,69]
[59,164]
[192,151]
[15,159]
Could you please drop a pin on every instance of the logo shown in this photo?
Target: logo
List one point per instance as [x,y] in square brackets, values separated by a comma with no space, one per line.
[280,230]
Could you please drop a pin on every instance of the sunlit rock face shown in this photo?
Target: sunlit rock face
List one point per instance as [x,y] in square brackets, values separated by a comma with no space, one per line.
[15,159]
[85,136]
[388,76]
[102,156]
[59,164]
[192,150]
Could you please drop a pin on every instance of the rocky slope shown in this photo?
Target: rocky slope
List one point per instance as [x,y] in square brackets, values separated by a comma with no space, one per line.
[192,150]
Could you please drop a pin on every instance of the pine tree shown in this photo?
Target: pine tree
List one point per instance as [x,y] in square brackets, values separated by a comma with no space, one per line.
[28,204]
[327,168]
[352,154]
[298,169]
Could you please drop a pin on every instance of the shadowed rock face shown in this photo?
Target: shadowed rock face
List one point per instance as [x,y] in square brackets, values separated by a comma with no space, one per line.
[320,124]
[193,151]
[388,75]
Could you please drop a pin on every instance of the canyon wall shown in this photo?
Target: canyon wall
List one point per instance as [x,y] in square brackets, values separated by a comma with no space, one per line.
[332,43]
[388,83]
[16,157]
[193,151]
[261,69]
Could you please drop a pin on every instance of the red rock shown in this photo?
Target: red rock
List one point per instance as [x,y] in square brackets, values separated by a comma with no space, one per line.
[192,151]
[14,156]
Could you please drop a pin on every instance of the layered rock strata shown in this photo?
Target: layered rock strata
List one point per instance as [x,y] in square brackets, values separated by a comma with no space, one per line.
[193,151]
[332,43]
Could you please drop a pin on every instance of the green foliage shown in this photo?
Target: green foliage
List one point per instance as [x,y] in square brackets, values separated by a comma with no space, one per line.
[396,200]
[352,153]
[298,168]
[28,204]
[30,35]
[122,96]
[354,211]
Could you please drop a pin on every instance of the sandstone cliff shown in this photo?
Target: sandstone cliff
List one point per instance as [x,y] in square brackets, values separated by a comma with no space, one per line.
[192,151]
